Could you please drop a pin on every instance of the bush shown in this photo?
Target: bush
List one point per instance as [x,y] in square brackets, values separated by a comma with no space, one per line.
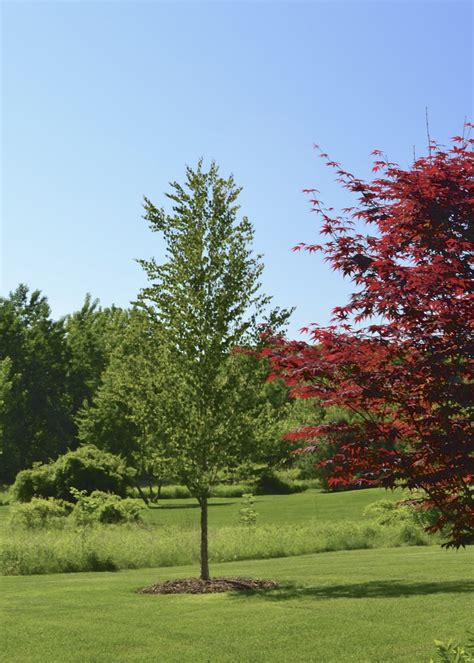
[86,468]
[5,495]
[98,507]
[105,508]
[40,513]
[271,484]
[410,519]
[36,482]
[385,512]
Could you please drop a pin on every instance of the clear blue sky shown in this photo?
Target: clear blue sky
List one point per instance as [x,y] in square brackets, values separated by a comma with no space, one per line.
[105,102]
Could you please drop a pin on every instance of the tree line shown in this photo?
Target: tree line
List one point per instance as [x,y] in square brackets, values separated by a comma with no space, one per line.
[49,370]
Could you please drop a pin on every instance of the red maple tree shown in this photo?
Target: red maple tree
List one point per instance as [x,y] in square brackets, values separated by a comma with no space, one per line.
[399,353]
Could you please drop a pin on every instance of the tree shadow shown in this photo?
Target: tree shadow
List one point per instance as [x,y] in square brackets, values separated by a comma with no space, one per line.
[365,590]
[187,506]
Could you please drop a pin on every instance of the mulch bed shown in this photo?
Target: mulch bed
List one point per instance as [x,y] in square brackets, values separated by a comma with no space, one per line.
[212,586]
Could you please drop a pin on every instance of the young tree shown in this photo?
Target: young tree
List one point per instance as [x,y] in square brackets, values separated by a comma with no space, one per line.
[407,374]
[202,302]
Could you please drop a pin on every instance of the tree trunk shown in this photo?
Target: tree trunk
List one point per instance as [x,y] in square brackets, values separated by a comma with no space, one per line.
[142,494]
[204,538]
[158,492]
[150,490]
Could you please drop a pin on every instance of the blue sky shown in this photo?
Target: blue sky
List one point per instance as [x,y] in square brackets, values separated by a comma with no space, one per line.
[103,103]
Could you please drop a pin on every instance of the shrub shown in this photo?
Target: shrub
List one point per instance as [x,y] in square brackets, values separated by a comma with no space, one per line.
[385,512]
[5,495]
[409,519]
[40,513]
[106,508]
[271,484]
[87,468]
[38,481]
[306,466]
[230,490]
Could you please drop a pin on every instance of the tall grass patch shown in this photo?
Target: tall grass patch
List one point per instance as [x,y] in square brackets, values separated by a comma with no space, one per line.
[113,547]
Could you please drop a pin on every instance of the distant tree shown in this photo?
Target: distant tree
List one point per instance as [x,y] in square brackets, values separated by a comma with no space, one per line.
[35,418]
[123,416]
[92,333]
[306,413]
[407,375]
[202,302]
[5,396]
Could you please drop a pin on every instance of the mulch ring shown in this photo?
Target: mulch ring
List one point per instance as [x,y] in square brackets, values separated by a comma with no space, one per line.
[212,586]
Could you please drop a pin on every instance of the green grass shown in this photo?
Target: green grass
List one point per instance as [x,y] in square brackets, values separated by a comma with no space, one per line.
[272,509]
[109,548]
[287,525]
[351,607]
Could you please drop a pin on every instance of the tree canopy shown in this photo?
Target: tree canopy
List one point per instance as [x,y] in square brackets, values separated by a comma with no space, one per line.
[399,353]
[35,408]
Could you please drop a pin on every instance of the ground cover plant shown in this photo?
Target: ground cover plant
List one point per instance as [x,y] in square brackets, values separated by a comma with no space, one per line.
[454,652]
[353,606]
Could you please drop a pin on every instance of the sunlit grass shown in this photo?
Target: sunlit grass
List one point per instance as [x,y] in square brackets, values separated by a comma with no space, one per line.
[355,606]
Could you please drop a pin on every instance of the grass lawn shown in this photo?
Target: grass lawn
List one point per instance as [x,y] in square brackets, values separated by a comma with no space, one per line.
[272,509]
[351,607]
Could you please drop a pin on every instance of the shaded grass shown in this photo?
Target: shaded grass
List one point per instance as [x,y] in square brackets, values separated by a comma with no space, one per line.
[370,590]
[356,606]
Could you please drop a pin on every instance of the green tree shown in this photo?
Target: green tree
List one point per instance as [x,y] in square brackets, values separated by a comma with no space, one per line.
[92,333]
[35,418]
[5,396]
[202,302]
[124,416]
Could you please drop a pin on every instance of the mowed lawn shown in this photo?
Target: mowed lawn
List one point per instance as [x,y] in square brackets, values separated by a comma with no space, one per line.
[272,509]
[352,607]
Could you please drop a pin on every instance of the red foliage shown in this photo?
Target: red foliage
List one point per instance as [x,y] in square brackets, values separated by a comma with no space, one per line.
[407,372]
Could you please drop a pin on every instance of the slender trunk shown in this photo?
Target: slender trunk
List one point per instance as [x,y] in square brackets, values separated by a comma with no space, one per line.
[150,491]
[142,494]
[158,492]
[204,537]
